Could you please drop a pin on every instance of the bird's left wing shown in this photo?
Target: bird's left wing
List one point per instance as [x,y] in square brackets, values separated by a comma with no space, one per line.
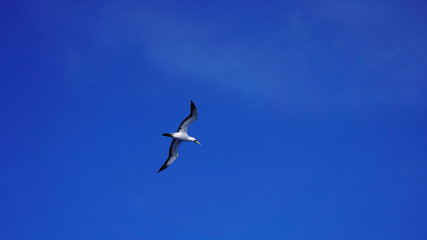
[173,154]
[187,121]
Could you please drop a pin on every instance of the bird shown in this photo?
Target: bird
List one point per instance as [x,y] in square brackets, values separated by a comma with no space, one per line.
[180,136]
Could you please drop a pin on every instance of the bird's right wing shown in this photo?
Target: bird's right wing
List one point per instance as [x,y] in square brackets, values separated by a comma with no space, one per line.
[173,154]
[187,121]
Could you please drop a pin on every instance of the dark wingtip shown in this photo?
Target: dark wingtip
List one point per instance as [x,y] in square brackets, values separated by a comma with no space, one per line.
[163,168]
[192,105]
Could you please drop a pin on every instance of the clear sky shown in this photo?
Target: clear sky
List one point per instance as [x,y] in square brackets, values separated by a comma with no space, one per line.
[312,119]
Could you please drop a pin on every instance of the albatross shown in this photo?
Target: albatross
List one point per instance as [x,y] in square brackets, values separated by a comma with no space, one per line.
[180,136]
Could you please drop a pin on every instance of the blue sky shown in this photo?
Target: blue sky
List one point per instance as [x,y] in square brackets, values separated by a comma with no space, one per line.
[312,119]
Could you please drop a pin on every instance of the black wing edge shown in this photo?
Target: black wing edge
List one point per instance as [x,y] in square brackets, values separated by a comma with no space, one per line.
[165,165]
[193,107]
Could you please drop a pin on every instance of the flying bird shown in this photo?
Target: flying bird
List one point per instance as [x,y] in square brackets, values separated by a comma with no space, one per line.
[180,136]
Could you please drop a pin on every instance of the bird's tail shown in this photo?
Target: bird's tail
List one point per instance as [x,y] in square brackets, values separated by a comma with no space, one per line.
[167,134]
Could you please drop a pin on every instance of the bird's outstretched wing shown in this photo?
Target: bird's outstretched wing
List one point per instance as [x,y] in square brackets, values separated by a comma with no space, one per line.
[187,121]
[173,154]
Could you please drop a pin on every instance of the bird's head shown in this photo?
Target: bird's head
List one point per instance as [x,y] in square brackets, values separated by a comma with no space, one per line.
[194,140]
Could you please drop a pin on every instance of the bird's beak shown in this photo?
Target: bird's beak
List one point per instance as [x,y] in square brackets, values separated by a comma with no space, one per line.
[197,142]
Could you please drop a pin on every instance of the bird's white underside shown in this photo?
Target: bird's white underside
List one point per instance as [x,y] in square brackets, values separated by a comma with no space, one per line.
[182,136]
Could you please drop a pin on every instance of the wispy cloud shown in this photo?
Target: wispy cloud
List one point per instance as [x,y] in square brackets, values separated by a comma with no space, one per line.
[310,60]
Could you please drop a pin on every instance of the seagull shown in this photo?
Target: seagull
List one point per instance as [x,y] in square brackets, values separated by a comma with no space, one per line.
[180,136]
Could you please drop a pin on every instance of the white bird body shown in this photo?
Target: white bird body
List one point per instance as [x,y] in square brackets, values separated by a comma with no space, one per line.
[180,136]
